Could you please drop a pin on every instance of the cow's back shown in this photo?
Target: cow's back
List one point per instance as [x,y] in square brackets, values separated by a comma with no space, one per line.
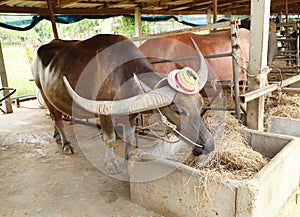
[89,65]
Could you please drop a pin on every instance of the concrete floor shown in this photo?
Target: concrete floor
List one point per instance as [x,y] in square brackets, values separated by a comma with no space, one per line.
[36,179]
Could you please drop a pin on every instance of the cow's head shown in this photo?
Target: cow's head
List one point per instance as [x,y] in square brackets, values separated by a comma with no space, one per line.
[185,114]
[182,110]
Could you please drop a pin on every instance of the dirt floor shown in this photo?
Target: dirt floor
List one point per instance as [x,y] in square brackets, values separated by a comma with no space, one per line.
[37,179]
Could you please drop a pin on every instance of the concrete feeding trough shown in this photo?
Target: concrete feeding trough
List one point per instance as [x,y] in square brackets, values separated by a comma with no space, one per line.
[181,191]
[282,125]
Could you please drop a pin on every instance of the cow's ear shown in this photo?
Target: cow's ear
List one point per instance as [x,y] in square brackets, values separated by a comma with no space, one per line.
[142,86]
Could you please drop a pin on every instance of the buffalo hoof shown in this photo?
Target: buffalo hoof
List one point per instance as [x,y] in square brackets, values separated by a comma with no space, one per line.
[112,167]
[57,138]
[68,149]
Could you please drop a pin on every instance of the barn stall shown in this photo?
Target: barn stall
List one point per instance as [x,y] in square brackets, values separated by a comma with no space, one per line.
[255,111]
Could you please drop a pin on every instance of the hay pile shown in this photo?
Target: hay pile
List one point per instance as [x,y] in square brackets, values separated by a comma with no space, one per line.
[284,105]
[232,158]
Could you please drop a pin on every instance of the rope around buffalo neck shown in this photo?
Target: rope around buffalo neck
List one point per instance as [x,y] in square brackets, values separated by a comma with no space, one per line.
[173,127]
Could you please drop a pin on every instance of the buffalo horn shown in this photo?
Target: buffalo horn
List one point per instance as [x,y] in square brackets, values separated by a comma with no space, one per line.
[203,70]
[147,101]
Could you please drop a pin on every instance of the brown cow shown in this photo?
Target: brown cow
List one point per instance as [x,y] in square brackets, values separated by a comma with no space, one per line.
[113,80]
[175,46]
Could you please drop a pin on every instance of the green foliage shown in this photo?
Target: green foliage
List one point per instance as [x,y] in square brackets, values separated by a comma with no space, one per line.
[125,26]
[43,31]
[83,29]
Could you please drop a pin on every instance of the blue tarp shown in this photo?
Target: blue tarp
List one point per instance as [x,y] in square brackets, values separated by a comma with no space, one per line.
[28,22]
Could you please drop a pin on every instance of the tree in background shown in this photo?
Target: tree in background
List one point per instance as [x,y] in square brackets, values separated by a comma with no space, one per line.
[125,26]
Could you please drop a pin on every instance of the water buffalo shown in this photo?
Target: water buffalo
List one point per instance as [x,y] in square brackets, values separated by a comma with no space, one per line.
[109,77]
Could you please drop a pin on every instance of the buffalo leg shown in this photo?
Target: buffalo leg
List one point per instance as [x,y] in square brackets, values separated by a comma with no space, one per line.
[128,137]
[59,132]
[110,163]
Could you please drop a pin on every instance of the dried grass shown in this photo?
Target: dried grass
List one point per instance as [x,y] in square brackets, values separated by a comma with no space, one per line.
[283,105]
[232,157]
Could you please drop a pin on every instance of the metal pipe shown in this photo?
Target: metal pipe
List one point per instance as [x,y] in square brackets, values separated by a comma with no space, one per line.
[291,90]
[217,109]
[190,58]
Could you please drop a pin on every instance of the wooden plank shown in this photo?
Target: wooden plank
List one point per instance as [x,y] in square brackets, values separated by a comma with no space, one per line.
[234,47]
[260,13]
[268,89]
[4,82]
[182,31]
[66,3]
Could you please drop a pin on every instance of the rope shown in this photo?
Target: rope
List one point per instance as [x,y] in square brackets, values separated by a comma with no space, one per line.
[164,120]
[150,128]
[241,56]
[173,128]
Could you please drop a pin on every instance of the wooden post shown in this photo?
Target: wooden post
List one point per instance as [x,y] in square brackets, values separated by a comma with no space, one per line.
[297,45]
[260,13]
[208,18]
[215,5]
[52,18]
[138,22]
[235,67]
[286,11]
[4,83]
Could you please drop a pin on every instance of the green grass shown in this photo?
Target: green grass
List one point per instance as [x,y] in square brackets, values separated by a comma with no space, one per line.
[18,70]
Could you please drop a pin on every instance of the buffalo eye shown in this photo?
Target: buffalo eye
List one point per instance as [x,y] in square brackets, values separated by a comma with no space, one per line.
[181,113]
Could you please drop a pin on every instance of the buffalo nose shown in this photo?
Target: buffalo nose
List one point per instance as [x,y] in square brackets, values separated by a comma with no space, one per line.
[208,147]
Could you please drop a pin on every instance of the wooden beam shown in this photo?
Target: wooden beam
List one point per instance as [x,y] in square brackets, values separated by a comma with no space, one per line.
[260,12]
[4,2]
[4,82]
[247,97]
[66,3]
[93,11]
